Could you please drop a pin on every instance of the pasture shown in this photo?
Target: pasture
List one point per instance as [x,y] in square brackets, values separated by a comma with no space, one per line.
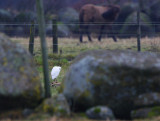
[131,26]
[71,47]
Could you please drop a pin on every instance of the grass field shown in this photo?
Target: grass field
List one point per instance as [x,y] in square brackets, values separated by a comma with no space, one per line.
[71,47]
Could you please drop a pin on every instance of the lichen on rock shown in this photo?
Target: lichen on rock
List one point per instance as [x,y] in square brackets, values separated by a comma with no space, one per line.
[112,78]
[100,113]
[20,84]
[56,105]
[146,113]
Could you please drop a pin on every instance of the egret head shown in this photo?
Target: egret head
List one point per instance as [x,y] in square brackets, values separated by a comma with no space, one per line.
[57,67]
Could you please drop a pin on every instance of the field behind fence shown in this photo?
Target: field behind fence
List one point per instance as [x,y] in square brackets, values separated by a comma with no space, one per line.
[73,46]
[69,43]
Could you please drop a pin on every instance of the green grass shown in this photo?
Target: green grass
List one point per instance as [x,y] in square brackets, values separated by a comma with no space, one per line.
[71,47]
[54,60]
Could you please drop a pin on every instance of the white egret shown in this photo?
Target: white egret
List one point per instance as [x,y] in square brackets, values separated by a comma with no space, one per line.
[54,74]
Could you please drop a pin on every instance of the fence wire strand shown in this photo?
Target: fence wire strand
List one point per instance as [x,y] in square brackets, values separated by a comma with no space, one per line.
[9,27]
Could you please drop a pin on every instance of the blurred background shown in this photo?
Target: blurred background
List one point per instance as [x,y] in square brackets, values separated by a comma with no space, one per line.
[16,21]
[15,16]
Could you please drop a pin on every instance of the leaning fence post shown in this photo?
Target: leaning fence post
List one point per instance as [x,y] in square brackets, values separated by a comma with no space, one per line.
[31,41]
[55,38]
[139,27]
[42,34]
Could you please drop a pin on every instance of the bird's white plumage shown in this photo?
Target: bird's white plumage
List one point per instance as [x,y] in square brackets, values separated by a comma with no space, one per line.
[55,72]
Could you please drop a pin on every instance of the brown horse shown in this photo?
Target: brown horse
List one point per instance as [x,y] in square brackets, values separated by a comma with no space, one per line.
[102,15]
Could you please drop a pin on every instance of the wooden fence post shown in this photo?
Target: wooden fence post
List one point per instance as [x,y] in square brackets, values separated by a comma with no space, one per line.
[55,38]
[42,34]
[139,27]
[31,41]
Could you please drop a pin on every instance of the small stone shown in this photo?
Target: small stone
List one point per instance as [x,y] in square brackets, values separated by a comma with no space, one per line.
[100,113]
[26,112]
[145,113]
[56,105]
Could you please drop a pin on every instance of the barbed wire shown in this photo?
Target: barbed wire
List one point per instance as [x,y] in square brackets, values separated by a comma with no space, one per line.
[95,23]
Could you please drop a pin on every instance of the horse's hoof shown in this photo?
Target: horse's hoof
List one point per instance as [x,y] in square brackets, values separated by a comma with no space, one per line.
[115,40]
[99,39]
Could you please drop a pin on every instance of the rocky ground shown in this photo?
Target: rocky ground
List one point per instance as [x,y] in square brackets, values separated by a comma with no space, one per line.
[99,84]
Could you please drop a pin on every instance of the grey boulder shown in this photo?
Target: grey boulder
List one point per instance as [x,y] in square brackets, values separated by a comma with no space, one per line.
[20,85]
[112,78]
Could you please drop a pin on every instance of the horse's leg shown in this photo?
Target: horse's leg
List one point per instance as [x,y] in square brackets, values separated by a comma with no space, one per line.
[81,36]
[88,33]
[101,32]
[112,34]
[81,31]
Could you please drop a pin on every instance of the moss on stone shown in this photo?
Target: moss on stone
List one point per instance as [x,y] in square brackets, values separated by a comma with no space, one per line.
[48,109]
[155,111]
[97,83]
[56,105]
[134,112]
[97,110]
[45,108]
[61,111]
[86,93]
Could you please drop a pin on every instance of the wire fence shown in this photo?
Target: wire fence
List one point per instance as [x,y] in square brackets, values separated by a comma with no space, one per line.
[68,36]
[23,29]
